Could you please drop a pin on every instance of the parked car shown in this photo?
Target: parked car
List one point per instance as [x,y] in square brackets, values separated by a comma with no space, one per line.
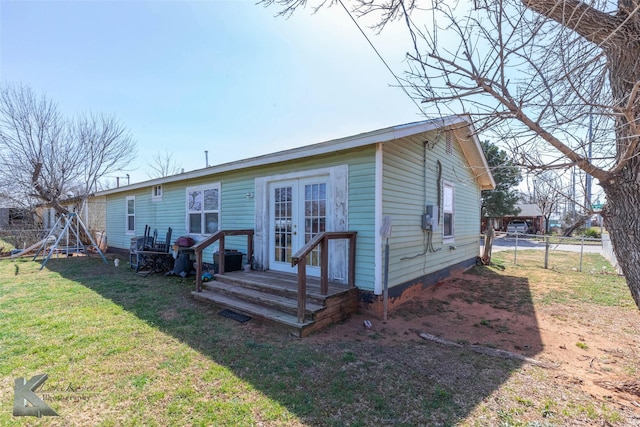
[517,226]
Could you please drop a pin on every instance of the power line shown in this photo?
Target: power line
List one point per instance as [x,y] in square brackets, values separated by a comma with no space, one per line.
[381,58]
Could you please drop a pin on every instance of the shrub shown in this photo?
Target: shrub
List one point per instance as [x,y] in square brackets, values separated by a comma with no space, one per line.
[592,233]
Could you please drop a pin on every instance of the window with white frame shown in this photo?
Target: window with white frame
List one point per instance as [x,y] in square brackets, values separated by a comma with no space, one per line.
[131,215]
[448,211]
[156,192]
[203,209]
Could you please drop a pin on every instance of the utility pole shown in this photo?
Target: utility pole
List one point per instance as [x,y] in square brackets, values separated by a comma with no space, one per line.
[588,177]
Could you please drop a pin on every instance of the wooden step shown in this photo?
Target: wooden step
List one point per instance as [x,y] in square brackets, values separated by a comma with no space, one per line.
[286,304]
[272,316]
[287,286]
[272,298]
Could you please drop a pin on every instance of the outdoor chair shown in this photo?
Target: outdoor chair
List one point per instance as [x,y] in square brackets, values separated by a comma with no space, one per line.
[149,254]
[163,245]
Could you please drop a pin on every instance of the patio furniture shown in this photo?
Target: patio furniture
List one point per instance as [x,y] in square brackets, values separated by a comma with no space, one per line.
[148,255]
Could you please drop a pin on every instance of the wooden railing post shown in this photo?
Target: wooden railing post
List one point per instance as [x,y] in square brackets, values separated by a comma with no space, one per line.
[352,261]
[218,236]
[302,288]
[249,248]
[300,259]
[198,271]
[324,266]
[221,256]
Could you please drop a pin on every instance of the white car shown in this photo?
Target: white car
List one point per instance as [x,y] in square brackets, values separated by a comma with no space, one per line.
[517,226]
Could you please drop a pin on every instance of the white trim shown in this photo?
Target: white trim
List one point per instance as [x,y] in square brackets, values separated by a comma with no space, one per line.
[472,151]
[295,208]
[156,196]
[360,140]
[126,216]
[377,268]
[337,215]
[202,187]
[298,219]
[452,237]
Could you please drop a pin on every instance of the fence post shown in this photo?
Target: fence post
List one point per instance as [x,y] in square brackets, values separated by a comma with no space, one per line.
[515,251]
[581,252]
[546,252]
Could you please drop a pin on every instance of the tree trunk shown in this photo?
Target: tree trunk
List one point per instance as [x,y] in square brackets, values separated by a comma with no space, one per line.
[621,218]
[44,193]
[577,224]
[488,244]
[623,186]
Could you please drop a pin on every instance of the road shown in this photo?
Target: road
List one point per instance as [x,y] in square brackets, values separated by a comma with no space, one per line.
[503,243]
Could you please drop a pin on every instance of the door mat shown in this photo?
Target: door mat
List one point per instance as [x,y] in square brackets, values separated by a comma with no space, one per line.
[233,315]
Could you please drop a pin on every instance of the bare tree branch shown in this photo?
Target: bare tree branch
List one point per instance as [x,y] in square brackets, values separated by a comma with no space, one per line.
[47,157]
[556,82]
[162,164]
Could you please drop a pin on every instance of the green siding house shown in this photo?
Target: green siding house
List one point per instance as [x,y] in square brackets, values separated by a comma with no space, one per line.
[425,178]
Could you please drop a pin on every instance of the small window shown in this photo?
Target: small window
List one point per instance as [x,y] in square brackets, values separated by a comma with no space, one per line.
[203,209]
[156,192]
[448,211]
[131,215]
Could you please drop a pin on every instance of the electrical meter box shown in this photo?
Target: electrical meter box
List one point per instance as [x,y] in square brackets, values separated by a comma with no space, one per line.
[430,217]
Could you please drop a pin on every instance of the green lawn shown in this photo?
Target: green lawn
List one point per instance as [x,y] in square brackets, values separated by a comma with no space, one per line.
[5,246]
[120,349]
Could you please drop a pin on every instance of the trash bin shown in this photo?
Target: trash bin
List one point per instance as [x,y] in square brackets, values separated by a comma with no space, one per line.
[232,260]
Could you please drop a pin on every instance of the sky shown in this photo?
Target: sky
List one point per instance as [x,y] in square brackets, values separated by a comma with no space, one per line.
[228,77]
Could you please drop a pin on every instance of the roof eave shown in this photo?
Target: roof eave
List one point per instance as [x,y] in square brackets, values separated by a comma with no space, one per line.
[350,142]
[472,150]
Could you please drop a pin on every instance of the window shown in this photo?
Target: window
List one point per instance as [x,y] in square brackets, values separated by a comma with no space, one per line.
[156,192]
[447,210]
[131,215]
[203,209]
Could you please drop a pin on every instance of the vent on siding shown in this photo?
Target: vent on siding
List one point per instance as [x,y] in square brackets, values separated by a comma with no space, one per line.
[449,145]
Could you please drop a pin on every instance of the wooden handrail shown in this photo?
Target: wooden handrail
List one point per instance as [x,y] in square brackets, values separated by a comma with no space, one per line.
[219,235]
[300,259]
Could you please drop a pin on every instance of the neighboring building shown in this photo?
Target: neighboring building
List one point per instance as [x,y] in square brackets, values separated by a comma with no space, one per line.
[4,217]
[91,211]
[433,167]
[15,217]
[529,212]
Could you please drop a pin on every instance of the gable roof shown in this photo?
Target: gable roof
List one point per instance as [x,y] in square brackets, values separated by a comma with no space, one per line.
[529,209]
[461,126]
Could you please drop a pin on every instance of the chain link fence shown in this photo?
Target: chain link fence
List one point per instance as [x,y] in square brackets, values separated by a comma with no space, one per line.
[552,246]
[19,238]
[607,252]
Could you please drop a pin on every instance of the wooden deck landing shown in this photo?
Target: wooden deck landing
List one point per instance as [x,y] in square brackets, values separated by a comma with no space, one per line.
[271,297]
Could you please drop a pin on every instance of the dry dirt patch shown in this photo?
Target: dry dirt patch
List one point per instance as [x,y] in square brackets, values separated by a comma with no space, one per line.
[596,348]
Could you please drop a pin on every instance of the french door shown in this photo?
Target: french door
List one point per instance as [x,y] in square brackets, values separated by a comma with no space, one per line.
[298,212]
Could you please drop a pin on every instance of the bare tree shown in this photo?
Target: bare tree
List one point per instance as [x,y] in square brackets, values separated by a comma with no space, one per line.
[105,146]
[162,164]
[559,80]
[548,191]
[47,158]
